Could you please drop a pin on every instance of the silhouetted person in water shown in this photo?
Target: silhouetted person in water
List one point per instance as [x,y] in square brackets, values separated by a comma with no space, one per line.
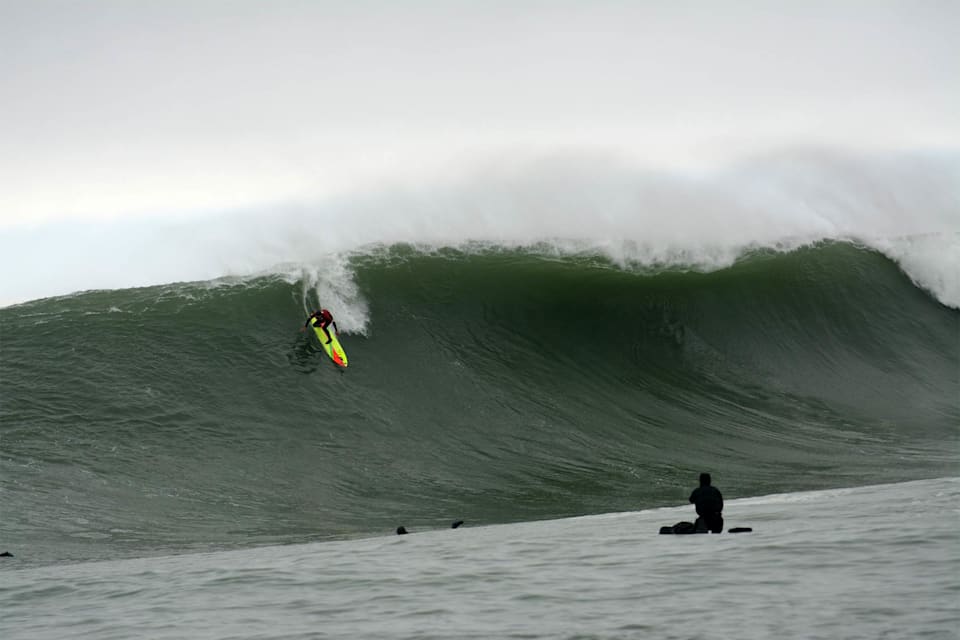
[709,503]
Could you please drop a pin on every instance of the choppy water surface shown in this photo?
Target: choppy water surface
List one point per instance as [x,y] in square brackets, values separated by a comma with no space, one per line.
[870,562]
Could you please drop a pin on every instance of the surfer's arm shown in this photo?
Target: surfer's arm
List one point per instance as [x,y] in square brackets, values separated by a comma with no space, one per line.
[335,327]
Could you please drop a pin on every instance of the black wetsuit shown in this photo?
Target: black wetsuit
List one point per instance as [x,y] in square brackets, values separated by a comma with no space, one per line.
[709,503]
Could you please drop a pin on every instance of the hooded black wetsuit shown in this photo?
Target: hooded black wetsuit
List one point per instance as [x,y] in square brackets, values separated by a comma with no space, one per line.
[709,503]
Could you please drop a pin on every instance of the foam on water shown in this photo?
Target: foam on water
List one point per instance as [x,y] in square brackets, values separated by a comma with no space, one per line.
[869,562]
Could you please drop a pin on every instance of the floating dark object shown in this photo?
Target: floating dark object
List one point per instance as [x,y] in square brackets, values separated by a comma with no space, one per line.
[6,554]
[682,528]
[402,530]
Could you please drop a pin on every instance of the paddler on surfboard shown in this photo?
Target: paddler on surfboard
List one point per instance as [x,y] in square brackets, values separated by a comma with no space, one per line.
[324,320]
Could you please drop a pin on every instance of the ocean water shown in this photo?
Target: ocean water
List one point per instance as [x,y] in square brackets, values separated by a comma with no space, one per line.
[498,386]
[871,562]
[553,363]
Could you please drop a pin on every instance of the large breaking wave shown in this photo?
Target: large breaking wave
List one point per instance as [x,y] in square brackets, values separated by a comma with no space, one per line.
[490,383]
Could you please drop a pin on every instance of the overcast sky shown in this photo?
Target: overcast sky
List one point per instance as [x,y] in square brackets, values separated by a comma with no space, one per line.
[171,108]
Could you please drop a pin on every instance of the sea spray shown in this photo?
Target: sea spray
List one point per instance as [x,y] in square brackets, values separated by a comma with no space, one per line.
[573,204]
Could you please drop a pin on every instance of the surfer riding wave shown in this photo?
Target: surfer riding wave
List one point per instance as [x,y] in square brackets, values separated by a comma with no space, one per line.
[324,320]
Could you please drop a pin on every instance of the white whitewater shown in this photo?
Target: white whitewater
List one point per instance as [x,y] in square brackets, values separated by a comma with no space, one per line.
[905,205]
[869,562]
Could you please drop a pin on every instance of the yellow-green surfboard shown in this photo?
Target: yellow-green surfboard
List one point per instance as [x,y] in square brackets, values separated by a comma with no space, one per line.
[334,350]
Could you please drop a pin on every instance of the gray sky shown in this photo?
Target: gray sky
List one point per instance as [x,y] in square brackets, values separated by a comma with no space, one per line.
[171,108]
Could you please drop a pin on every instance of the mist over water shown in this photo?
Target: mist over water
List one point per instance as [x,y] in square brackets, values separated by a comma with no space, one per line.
[904,205]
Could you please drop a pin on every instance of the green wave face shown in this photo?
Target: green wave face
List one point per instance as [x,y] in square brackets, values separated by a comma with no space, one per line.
[495,386]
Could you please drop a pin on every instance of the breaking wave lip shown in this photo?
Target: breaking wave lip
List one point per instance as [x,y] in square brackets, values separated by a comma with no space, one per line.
[904,206]
[931,261]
